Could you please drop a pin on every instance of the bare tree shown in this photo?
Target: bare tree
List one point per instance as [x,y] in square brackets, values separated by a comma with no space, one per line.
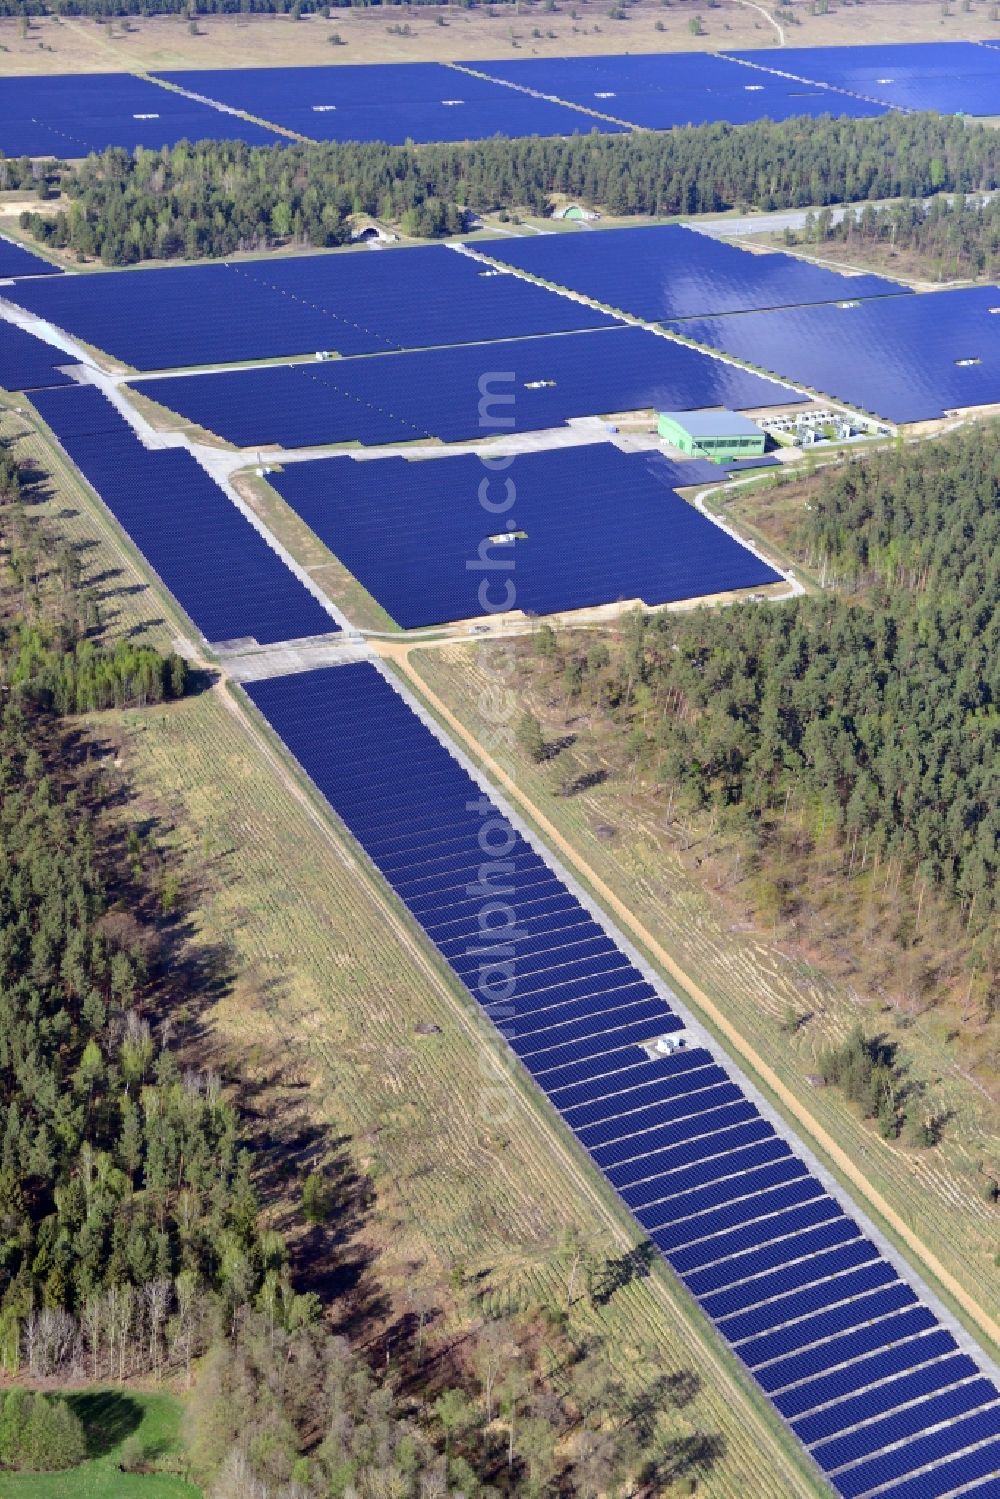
[91,1323]
[495,1348]
[156,1299]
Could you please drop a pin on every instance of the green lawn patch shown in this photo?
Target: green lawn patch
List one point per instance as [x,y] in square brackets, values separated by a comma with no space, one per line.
[111,1418]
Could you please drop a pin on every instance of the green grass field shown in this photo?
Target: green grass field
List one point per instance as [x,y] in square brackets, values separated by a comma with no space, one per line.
[110,1417]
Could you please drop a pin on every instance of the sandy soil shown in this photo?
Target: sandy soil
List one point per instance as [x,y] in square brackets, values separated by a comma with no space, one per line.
[55,45]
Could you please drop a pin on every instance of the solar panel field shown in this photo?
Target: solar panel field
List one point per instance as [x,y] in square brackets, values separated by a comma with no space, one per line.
[70,116]
[909,359]
[393,398]
[594,526]
[670,272]
[501,343]
[350,303]
[662,92]
[952,77]
[15,260]
[391,102]
[187,530]
[811,1301]
[658,92]
[27,362]
[303,918]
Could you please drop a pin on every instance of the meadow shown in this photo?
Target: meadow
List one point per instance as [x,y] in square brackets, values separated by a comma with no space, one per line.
[451,33]
[111,1419]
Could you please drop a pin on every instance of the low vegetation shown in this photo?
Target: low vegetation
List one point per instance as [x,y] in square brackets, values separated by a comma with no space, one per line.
[39,1432]
[133,1448]
[214,198]
[104,9]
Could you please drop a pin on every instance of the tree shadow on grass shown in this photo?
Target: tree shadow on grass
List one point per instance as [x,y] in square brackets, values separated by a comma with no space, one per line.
[107,1416]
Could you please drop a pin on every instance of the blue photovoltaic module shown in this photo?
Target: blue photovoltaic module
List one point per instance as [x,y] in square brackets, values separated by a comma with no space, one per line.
[817,1315]
[951,77]
[354,302]
[907,359]
[27,362]
[15,260]
[72,115]
[229,581]
[661,91]
[463,393]
[392,102]
[669,272]
[594,525]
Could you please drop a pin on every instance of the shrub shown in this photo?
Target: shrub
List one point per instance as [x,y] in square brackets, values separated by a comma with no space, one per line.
[39,1434]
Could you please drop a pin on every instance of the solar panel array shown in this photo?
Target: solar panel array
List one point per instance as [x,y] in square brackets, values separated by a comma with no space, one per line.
[27,362]
[601,525]
[356,302]
[908,359]
[462,393]
[229,582]
[15,260]
[660,91]
[951,77]
[69,115]
[871,1382]
[393,102]
[668,272]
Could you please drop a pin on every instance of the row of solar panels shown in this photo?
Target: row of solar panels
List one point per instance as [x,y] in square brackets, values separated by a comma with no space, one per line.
[658,91]
[67,116]
[463,393]
[27,362]
[70,115]
[666,272]
[904,357]
[226,577]
[350,303]
[362,303]
[593,525]
[15,260]
[874,1386]
[908,359]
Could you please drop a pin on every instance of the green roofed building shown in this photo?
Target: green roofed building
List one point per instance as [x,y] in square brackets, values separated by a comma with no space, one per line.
[719,435]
